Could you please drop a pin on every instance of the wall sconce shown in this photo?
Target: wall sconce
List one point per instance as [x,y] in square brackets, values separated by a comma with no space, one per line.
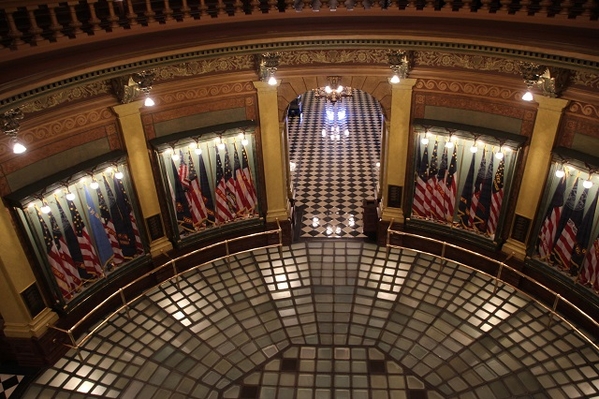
[144,81]
[531,73]
[400,63]
[267,66]
[10,126]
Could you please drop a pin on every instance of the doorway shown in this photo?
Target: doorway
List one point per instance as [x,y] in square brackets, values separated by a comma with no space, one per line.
[334,150]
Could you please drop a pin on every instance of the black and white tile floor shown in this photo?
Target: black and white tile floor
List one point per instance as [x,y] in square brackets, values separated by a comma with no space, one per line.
[330,319]
[8,384]
[334,172]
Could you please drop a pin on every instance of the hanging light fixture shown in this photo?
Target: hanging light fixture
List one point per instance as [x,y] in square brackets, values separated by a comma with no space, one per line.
[333,95]
[400,63]
[531,73]
[267,67]
[9,122]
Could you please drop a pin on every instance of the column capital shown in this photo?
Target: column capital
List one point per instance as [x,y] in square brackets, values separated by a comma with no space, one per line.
[551,104]
[404,84]
[265,86]
[132,108]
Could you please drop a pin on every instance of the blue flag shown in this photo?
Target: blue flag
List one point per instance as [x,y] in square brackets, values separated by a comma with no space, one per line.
[181,205]
[205,188]
[103,246]
[466,196]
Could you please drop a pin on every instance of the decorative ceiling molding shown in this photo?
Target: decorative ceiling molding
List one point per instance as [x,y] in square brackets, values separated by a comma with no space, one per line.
[467,88]
[466,61]
[378,46]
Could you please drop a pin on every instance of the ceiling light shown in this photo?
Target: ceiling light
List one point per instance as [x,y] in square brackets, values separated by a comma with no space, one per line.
[449,144]
[45,208]
[424,140]
[118,175]
[587,184]
[70,196]
[198,151]
[499,155]
[474,149]
[94,185]
[560,173]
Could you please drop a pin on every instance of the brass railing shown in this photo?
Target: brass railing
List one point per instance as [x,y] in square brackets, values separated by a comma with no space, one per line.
[28,23]
[501,266]
[172,263]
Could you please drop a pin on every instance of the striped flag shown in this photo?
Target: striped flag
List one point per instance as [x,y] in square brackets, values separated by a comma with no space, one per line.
[248,180]
[439,193]
[583,238]
[450,186]
[194,194]
[496,199]
[230,184]
[205,188]
[568,228]
[243,197]
[547,233]
[105,253]
[419,205]
[478,184]
[481,216]
[431,182]
[54,259]
[121,222]
[192,202]
[466,196]
[91,262]
[63,250]
[72,242]
[118,257]
[125,203]
[589,274]
[184,218]
[223,212]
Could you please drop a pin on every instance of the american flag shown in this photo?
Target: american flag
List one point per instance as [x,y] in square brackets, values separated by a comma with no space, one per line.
[439,197]
[431,182]
[481,215]
[568,228]
[248,180]
[589,274]
[243,197]
[547,233]
[195,195]
[496,198]
[478,184]
[223,212]
[466,196]
[420,206]
[54,259]
[451,186]
[91,262]
[109,228]
[63,250]
[583,237]
[231,189]
[119,185]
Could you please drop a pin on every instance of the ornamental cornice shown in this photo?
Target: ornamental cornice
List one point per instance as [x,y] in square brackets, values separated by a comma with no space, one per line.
[465,61]
[583,109]
[467,88]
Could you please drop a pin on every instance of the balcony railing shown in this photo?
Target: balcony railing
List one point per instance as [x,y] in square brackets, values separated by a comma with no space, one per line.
[33,23]
[502,274]
[128,294]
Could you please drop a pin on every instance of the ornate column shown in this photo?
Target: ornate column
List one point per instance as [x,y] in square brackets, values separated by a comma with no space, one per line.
[273,150]
[16,276]
[538,160]
[141,173]
[396,153]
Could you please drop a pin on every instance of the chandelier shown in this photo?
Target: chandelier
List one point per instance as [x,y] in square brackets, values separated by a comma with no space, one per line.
[333,94]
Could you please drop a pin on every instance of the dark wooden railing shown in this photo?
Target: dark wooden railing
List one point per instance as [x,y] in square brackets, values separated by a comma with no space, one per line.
[36,23]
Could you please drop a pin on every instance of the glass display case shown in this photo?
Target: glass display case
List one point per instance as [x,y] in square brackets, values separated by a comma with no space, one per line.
[83,227]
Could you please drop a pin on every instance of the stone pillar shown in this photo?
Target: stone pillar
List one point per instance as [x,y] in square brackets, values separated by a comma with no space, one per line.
[141,170]
[273,153]
[538,160]
[396,153]
[15,276]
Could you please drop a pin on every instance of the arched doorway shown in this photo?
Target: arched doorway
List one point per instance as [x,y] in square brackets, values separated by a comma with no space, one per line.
[334,150]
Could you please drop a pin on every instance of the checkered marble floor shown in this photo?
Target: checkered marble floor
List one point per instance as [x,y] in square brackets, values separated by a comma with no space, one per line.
[335,172]
[329,319]
[8,384]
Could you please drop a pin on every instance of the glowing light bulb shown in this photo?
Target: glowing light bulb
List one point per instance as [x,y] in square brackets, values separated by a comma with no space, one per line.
[474,149]
[221,146]
[587,184]
[244,141]
[499,155]
[45,208]
[324,133]
[272,81]
[118,175]
[328,89]
[198,151]
[394,79]
[560,173]
[527,96]
[175,156]
[378,164]
[149,102]
[70,196]
[449,144]
[18,148]
[94,185]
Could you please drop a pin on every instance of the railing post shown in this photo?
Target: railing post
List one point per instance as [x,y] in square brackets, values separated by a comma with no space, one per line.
[498,277]
[389,238]
[14,33]
[35,30]
[125,303]
[280,235]
[72,338]
[175,274]
[227,252]
[555,302]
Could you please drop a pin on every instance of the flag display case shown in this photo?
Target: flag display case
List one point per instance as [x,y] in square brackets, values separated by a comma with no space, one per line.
[209,180]
[462,177]
[567,228]
[83,225]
